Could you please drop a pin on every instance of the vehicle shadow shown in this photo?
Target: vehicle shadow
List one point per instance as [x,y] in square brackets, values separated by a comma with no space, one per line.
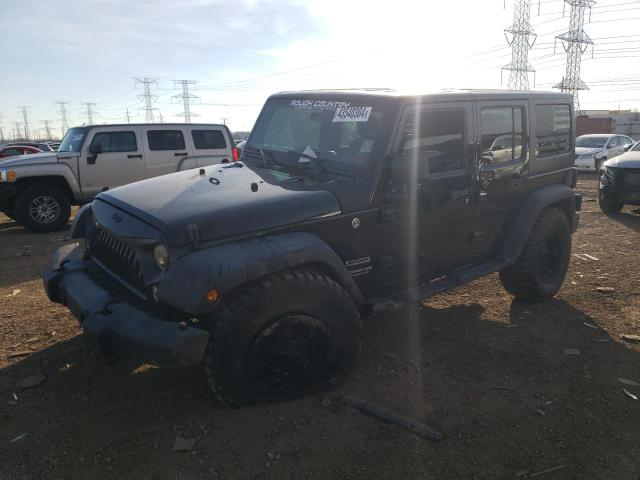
[628,219]
[519,386]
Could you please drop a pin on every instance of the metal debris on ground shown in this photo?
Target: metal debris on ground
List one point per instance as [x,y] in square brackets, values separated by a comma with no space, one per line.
[591,325]
[19,354]
[544,472]
[394,418]
[30,382]
[629,394]
[626,381]
[605,289]
[586,257]
[630,338]
[571,352]
[182,444]
[19,437]
[15,292]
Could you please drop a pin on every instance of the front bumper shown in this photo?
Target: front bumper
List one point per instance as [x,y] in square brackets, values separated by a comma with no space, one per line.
[115,326]
[8,192]
[618,184]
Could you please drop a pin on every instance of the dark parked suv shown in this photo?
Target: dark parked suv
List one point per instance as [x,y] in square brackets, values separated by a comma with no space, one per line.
[344,200]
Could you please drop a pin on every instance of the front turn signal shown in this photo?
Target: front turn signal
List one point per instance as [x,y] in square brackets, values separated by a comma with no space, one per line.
[212,295]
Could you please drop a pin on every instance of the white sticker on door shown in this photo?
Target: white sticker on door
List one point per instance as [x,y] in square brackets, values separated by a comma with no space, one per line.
[352,114]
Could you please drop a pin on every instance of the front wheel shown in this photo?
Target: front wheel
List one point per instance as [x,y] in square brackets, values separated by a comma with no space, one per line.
[609,204]
[282,336]
[42,209]
[539,271]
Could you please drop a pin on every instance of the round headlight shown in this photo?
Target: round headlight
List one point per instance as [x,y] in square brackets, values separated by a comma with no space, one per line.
[161,256]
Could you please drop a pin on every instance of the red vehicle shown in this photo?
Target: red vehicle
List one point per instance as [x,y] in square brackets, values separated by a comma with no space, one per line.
[13,150]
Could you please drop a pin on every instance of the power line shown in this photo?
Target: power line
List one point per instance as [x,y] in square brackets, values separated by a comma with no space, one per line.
[47,129]
[520,43]
[64,126]
[186,98]
[90,112]
[575,43]
[25,121]
[147,97]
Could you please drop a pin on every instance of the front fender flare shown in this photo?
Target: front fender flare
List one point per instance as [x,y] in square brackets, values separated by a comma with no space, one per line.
[226,267]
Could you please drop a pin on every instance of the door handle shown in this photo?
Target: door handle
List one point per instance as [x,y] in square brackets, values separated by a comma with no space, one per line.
[482,195]
[181,154]
[134,156]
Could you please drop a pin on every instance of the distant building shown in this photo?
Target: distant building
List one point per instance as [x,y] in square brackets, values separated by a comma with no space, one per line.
[626,122]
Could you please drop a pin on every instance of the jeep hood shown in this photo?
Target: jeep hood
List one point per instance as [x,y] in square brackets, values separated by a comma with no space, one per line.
[626,160]
[227,200]
[32,159]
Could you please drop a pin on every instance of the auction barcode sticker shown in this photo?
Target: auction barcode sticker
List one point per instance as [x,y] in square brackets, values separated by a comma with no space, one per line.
[352,114]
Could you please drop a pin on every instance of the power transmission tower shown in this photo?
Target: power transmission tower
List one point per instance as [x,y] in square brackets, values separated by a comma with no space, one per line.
[575,42]
[187,98]
[147,97]
[161,117]
[17,133]
[47,129]
[64,124]
[25,121]
[90,112]
[128,116]
[224,120]
[521,38]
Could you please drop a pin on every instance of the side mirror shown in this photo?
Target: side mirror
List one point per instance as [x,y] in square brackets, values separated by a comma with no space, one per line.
[627,147]
[94,151]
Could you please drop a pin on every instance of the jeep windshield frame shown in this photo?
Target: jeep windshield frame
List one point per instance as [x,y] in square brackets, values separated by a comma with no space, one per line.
[346,134]
[73,140]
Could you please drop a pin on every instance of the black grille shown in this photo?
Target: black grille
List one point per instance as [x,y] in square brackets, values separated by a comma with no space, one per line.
[118,258]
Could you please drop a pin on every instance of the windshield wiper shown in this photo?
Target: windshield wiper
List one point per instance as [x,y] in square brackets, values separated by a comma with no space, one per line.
[316,161]
[265,164]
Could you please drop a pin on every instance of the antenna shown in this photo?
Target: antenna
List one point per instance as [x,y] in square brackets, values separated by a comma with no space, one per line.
[64,125]
[147,97]
[186,98]
[575,42]
[521,38]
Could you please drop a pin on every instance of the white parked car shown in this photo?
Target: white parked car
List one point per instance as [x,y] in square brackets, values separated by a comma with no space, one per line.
[593,150]
[38,190]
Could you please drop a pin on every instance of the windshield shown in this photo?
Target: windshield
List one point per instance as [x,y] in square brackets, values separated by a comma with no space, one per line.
[72,141]
[591,142]
[636,147]
[343,136]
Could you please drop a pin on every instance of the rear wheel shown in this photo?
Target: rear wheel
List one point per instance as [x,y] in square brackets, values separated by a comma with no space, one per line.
[540,269]
[282,336]
[42,208]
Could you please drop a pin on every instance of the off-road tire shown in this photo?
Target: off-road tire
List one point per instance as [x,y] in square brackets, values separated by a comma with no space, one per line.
[24,206]
[244,338]
[535,276]
[609,205]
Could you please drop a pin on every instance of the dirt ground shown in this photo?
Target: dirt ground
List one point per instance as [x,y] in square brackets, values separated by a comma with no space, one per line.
[494,375]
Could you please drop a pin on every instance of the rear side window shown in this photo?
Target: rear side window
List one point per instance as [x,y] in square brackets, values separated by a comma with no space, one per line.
[553,130]
[501,134]
[437,137]
[12,152]
[115,141]
[208,139]
[165,140]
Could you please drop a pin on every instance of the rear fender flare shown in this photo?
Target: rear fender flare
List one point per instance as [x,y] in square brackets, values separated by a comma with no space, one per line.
[527,216]
[229,266]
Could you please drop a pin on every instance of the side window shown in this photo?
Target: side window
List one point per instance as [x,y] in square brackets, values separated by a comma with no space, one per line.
[553,130]
[624,141]
[165,140]
[613,142]
[437,137]
[9,152]
[115,141]
[501,134]
[208,139]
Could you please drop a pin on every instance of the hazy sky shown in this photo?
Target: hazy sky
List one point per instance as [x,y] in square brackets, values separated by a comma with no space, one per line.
[241,51]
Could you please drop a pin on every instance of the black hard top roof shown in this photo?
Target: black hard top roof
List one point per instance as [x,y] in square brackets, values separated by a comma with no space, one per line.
[443,95]
[217,125]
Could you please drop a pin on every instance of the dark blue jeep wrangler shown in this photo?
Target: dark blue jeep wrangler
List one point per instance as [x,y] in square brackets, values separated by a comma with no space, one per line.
[262,269]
